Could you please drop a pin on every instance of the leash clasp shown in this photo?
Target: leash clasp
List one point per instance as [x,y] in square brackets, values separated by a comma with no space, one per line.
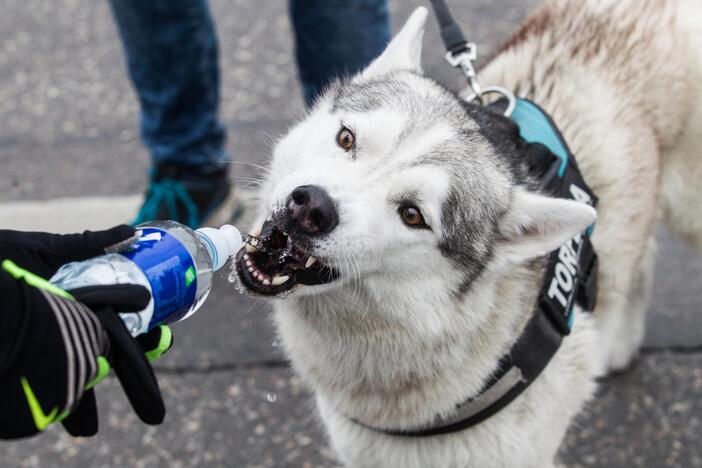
[464,60]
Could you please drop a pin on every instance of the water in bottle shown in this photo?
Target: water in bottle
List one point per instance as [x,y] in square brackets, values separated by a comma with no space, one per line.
[171,260]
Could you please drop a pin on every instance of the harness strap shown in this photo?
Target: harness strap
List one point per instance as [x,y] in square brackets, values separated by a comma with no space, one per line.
[451,33]
[517,370]
[586,295]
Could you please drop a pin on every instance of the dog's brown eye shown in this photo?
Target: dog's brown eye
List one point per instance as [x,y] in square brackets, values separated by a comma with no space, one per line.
[346,139]
[411,216]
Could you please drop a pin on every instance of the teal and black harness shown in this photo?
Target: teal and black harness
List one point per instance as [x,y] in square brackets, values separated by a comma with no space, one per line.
[571,272]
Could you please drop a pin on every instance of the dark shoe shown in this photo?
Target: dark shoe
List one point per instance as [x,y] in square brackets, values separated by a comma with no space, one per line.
[180,193]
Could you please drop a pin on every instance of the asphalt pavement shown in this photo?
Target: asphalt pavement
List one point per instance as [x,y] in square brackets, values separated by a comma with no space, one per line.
[69,129]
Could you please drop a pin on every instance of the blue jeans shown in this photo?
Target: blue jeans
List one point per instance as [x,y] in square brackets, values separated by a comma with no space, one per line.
[172,56]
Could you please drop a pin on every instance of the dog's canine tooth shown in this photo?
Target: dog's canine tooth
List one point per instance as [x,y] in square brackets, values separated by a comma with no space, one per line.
[278,280]
[310,261]
[266,282]
[250,248]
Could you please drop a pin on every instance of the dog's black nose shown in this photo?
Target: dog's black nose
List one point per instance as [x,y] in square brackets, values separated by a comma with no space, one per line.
[311,210]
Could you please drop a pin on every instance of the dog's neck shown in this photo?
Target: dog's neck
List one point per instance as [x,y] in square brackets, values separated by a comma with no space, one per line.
[569,72]
[397,361]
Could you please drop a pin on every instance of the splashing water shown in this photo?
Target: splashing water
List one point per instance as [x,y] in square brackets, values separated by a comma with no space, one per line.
[261,245]
[234,279]
[233,276]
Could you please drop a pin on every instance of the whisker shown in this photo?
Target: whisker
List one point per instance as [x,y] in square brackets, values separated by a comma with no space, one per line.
[357,275]
[348,272]
[256,179]
[257,166]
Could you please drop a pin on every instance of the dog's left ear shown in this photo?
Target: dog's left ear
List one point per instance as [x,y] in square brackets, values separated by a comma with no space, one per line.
[405,50]
[535,225]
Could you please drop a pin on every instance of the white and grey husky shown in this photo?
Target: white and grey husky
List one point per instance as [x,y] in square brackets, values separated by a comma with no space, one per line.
[402,244]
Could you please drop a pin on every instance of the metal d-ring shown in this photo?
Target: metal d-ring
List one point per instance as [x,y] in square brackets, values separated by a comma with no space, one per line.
[507,94]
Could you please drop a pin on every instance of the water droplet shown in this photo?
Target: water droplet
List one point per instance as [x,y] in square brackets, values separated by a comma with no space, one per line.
[232,277]
[275,344]
[272,397]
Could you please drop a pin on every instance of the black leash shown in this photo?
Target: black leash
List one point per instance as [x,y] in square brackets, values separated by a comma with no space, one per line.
[460,53]
[451,33]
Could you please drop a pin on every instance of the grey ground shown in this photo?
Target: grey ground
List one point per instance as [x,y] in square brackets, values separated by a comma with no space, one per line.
[69,129]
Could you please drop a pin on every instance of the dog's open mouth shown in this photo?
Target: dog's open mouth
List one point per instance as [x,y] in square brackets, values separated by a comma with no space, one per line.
[274,263]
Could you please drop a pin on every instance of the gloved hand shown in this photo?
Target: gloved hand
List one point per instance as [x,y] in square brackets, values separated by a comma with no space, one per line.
[55,345]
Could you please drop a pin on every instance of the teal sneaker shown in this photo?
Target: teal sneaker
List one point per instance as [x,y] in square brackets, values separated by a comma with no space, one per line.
[180,193]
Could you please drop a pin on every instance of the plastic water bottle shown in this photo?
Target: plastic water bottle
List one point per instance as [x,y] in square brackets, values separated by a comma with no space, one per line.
[172,261]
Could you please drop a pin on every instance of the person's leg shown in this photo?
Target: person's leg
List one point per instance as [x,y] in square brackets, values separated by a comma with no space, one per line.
[336,38]
[171,50]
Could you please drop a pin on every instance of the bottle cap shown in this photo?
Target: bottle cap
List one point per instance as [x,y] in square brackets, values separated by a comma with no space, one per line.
[221,243]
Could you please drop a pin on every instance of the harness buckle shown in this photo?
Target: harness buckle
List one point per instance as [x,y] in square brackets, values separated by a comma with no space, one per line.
[464,60]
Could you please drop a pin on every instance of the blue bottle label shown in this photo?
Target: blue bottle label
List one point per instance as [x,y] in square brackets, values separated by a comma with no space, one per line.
[170,270]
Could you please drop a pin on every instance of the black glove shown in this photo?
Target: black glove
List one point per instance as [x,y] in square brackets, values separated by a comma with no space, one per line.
[53,347]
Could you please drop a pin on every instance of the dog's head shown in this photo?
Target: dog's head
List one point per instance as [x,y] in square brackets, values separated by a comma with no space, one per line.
[393,180]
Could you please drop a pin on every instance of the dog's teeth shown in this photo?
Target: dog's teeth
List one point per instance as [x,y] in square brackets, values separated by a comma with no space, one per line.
[249,263]
[278,280]
[266,282]
[251,268]
[310,261]
[250,249]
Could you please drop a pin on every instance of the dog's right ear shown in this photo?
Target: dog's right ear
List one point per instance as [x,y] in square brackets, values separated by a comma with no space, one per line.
[535,225]
[404,51]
